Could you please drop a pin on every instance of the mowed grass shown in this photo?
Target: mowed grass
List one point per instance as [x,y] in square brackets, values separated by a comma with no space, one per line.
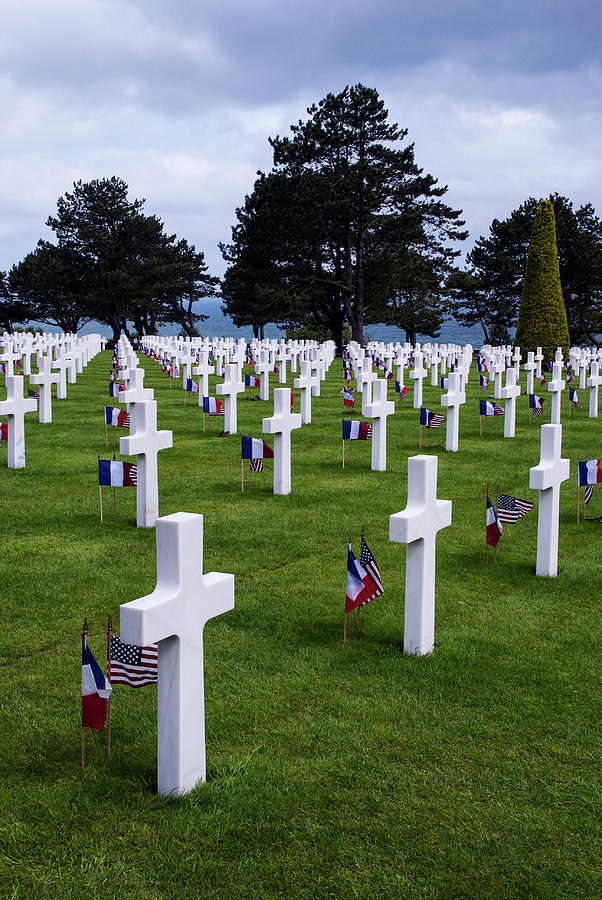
[332,771]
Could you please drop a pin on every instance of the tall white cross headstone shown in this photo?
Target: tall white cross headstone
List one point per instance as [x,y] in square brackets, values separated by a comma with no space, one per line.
[556,386]
[593,382]
[454,398]
[263,369]
[280,425]
[175,615]
[44,380]
[529,368]
[62,364]
[418,373]
[144,442]
[136,392]
[509,393]
[417,526]
[547,478]
[538,361]
[229,391]
[15,406]
[305,382]
[378,410]
[204,369]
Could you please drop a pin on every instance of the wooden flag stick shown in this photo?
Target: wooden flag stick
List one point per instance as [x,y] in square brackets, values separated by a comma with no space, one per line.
[83,729]
[242,475]
[420,430]
[106,433]
[578,494]
[345,630]
[203,423]
[486,541]
[343,452]
[109,630]
[480,426]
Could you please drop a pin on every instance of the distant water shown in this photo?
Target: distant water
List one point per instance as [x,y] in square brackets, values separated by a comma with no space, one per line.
[219,325]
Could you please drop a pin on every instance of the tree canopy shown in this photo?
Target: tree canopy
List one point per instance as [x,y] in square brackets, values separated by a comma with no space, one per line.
[345,227]
[111,262]
[488,291]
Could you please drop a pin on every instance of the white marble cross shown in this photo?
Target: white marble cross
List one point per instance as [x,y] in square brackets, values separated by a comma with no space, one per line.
[204,369]
[144,442]
[229,391]
[364,374]
[378,409]
[418,373]
[44,380]
[417,526]
[185,360]
[136,392]
[593,382]
[62,364]
[175,615]
[280,425]
[304,383]
[9,357]
[15,406]
[454,398]
[509,394]
[538,361]
[435,369]
[529,368]
[547,478]
[263,369]
[556,386]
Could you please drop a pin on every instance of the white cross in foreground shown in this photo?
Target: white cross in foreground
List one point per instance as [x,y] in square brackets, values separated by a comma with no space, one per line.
[417,526]
[15,406]
[144,442]
[175,615]
[280,425]
[547,478]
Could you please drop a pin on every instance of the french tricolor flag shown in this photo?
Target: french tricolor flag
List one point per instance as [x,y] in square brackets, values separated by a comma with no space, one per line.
[117,417]
[256,448]
[96,690]
[252,381]
[590,472]
[492,524]
[356,431]
[117,474]
[213,406]
[360,585]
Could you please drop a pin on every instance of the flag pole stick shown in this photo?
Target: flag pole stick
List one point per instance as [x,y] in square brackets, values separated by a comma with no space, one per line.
[420,431]
[109,629]
[486,541]
[106,433]
[343,452]
[114,504]
[480,426]
[83,729]
[578,493]
[203,422]
[242,475]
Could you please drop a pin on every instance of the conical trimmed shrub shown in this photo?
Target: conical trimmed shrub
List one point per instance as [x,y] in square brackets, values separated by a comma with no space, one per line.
[542,317]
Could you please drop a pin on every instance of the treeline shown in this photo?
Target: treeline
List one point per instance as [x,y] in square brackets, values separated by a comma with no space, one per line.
[344,230]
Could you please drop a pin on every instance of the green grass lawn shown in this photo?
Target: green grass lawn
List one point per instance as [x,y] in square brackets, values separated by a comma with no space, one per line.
[332,771]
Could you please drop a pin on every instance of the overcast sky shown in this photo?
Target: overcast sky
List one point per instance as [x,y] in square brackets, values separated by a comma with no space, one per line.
[502,100]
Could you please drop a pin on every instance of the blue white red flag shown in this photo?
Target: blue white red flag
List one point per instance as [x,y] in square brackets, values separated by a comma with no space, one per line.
[361,587]
[400,389]
[252,381]
[256,448]
[444,383]
[590,472]
[574,398]
[536,404]
[213,406]
[117,417]
[430,419]
[388,374]
[96,690]
[114,388]
[192,386]
[483,382]
[481,364]
[492,524]
[348,398]
[356,431]
[487,408]
[117,474]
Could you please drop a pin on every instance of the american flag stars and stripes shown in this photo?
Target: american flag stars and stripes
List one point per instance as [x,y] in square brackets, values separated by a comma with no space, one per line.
[536,404]
[430,419]
[133,665]
[256,465]
[511,509]
[368,562]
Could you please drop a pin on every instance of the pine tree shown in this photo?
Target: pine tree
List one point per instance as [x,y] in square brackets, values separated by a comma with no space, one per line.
[542,318]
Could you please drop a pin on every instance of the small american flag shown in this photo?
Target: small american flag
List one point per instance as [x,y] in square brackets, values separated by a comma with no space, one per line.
[256,465]
[369,564]
[589,490]
[511,509]
[131,664]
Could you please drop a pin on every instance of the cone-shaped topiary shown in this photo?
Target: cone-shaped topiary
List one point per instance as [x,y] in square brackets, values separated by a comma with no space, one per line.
[542,317]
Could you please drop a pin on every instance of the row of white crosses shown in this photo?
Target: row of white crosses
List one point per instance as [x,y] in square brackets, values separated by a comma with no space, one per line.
[16,405]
